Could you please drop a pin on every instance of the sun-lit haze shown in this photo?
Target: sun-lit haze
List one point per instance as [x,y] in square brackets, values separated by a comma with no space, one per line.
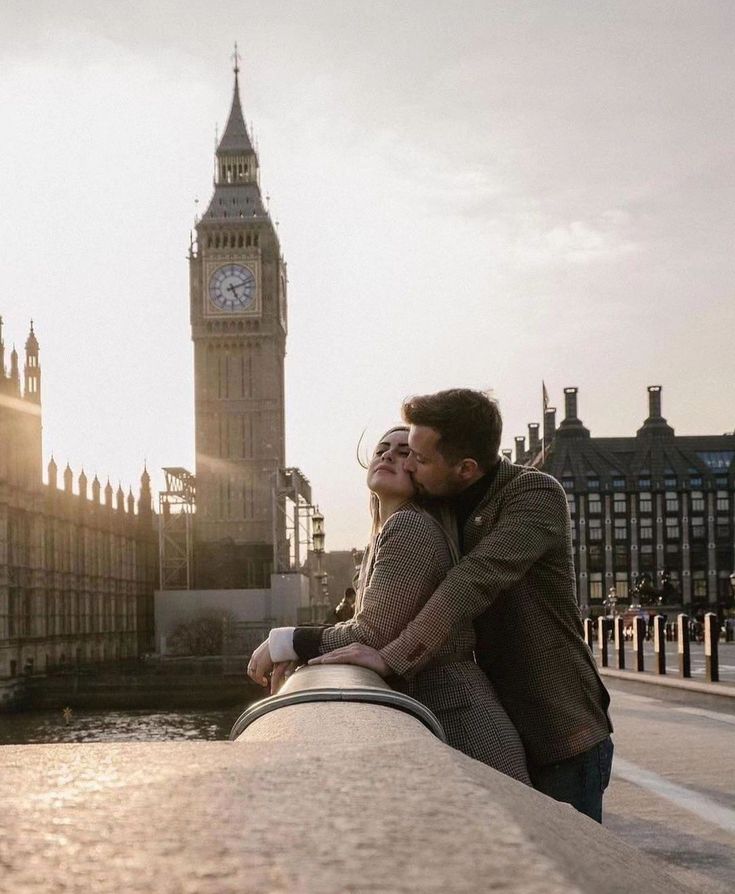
[468,193]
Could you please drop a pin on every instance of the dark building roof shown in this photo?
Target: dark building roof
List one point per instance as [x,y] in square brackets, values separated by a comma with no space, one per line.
[654,454]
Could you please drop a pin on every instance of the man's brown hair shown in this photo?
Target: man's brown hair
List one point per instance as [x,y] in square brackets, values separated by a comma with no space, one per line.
[468,422]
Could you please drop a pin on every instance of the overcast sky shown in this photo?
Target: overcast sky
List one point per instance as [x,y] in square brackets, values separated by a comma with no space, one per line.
[484,194]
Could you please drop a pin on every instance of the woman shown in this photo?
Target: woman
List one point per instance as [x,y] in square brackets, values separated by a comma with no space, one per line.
[409,554]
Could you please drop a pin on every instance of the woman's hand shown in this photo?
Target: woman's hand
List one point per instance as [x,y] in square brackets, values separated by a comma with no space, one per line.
[356,653]
[260,665]
[282,670]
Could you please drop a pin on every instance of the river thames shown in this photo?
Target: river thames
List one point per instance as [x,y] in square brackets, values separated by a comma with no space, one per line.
[42,727]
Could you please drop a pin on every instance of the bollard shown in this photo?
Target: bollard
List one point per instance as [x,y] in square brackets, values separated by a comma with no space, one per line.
[729,630]
[639,635]
[711,639]
[682,638]
[660,635]
[589,633]
[619,643]
[602,640]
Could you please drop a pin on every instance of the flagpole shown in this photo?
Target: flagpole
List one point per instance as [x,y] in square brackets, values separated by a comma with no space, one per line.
[545,406]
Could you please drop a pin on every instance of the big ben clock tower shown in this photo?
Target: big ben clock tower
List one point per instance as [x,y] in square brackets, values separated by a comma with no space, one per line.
[238,324]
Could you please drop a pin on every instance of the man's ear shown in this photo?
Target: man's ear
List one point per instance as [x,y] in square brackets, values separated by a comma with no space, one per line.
[468,469]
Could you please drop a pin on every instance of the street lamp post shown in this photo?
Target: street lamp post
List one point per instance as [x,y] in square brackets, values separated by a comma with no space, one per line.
[317,541]
[611,602]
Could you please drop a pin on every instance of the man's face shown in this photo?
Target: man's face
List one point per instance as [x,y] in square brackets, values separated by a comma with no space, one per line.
[431,473]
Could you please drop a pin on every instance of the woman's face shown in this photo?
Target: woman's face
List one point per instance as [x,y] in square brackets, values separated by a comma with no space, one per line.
[386,475]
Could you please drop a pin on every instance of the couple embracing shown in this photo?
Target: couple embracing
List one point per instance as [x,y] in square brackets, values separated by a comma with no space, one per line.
[466,600]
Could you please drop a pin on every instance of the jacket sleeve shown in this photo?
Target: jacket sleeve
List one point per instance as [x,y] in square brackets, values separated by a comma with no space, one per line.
[411,558]
[533,519]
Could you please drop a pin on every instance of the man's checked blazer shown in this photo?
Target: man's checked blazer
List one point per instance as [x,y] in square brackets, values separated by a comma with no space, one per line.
[517,580]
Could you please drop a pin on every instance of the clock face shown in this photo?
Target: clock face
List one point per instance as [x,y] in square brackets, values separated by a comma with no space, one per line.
[232,288]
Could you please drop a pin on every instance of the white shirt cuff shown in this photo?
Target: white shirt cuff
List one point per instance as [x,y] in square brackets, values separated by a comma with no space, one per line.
[280,644]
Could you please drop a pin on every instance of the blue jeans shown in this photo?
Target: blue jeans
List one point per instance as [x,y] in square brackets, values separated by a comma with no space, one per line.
[579,780]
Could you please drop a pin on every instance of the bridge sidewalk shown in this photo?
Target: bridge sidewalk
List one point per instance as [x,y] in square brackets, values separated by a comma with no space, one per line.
[673,788]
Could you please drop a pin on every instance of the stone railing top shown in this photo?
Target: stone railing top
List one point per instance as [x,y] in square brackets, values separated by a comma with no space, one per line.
[329,683]
[317,796]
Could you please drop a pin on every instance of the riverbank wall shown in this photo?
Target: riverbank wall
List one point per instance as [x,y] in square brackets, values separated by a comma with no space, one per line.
[209,682]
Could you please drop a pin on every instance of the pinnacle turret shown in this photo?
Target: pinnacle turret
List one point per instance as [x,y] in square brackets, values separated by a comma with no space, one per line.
[31,341]
[14,372]
[53,472]
[32,370]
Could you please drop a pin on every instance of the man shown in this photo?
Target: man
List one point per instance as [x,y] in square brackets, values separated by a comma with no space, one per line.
[517,579]
[346,608]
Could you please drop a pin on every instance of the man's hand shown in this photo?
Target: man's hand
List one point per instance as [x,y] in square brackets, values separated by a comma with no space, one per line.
[356,653]
[282,670]
[260,664]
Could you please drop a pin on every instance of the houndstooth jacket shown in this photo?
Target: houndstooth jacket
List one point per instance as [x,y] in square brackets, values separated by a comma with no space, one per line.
[407,563]
[409,560]
[517,579]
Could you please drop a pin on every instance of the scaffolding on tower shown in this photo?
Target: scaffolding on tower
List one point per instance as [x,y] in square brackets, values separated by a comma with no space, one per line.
[175,520]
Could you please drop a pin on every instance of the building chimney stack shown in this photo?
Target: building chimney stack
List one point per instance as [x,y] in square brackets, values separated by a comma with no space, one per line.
[534,442]
[654,401]
[570,403]
[520,448]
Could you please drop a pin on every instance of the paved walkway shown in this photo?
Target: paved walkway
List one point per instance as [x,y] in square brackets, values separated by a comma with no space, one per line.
[673,788]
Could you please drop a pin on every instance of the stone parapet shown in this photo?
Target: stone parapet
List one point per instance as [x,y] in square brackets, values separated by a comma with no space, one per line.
[325,797]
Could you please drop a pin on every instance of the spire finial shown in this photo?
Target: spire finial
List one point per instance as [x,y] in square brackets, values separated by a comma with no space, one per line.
[236,58]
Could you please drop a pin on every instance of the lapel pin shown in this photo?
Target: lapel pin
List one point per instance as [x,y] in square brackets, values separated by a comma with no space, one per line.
[478,519]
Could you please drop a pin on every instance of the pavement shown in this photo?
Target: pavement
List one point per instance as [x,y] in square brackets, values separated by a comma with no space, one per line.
[672,793]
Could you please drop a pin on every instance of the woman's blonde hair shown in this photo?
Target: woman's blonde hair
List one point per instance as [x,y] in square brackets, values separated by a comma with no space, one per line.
[439,514]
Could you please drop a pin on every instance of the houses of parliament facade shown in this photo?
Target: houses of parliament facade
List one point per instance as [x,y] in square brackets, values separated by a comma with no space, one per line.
[77,569]
[79,563]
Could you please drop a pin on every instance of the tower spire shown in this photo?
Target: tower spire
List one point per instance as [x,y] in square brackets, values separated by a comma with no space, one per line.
[236,169]
[235,138]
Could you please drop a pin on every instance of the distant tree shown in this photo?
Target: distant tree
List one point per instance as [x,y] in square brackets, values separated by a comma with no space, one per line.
[200,636]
